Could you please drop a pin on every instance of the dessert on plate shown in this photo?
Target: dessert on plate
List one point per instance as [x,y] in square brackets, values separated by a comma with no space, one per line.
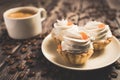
[59,28]
[100,33]
[76,46]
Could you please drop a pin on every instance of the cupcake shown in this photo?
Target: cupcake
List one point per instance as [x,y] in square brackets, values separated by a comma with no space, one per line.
[101,34]
[76,47]
[59,28]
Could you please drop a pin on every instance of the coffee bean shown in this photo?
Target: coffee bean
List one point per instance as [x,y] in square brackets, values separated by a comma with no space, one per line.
[117,33]
[39,37]
[15,55]
[113,26]
[116,63]
[117,66]
[27,57]
[33,49]
[21,75]
[84,16]
[29,43]
[43,2]
[8,47]
[31,74]
[12,70]
[17,58]
[23,50]
[29,61]
[7,52]
[26,45]
[113,74]
[21,67]
[35,39]
[34,43]
[10,61]
[24,42]
[33,56]
[30,56]
[108,21]
[111,15]
[4,31]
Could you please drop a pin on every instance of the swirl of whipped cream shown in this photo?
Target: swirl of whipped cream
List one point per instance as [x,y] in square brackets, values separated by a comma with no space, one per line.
[63,24]
[98,30]
[76,41]
[60,27]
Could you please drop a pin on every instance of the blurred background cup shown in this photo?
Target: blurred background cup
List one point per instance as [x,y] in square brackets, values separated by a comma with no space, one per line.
[24,22]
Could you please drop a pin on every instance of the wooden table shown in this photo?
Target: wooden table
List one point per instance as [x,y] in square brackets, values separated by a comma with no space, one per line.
[23,59]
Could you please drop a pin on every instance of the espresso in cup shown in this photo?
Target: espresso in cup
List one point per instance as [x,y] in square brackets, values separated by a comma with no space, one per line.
[24,22]
[21,14]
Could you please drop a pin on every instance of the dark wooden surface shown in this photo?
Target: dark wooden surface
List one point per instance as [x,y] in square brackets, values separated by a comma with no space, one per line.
[23,59]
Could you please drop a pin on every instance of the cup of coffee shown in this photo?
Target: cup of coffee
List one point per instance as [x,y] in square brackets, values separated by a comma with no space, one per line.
[24,22]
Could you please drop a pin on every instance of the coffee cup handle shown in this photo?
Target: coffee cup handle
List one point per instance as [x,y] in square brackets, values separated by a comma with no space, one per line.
[43,12]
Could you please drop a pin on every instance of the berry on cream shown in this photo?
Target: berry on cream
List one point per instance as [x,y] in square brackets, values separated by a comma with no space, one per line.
[60,27]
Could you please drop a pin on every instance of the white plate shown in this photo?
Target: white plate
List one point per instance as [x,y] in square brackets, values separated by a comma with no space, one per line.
[98,60]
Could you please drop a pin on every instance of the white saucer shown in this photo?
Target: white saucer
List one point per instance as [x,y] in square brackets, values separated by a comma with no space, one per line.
[98,60]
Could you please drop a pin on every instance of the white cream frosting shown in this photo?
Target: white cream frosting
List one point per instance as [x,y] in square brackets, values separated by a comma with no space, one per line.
[60,27]
[73,42]
[96,32]
[62,24]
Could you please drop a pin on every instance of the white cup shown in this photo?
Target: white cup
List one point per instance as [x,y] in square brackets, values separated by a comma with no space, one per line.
[24,27]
